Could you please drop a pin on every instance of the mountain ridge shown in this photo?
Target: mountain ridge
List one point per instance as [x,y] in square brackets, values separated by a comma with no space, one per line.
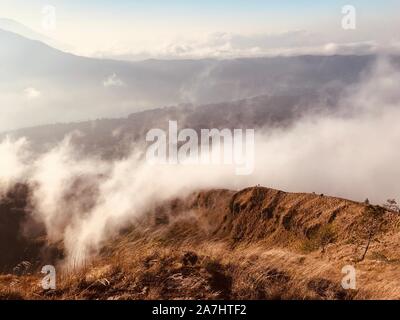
[256,243]
[74,88]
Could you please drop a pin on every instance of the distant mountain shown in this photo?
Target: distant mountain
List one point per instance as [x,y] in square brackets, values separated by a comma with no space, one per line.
[43,85]
[22,30]
[112,137]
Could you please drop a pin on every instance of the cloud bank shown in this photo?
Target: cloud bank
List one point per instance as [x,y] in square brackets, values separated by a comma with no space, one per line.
[222,45]
[84,201]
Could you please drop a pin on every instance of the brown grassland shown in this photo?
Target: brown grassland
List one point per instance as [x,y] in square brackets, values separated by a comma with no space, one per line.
[257,243]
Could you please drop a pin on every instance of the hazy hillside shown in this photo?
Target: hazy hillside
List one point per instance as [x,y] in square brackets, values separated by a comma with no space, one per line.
[47,85]
[112,137]
[22,30]
[199,150]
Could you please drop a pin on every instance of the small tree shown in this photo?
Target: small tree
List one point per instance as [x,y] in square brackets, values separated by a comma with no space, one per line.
[391,204]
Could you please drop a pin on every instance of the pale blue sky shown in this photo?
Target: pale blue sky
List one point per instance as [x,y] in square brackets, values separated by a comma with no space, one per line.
[123,25]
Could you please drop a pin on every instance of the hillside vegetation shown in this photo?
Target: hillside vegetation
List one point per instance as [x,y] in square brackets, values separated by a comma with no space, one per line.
[257,243]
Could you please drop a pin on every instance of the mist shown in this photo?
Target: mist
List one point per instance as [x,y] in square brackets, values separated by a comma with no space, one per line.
[55,87]
[84,200]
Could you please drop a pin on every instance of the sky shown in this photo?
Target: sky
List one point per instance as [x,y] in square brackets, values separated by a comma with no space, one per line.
[173,27]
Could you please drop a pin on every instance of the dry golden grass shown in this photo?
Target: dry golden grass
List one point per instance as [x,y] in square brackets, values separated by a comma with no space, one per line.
[255,244]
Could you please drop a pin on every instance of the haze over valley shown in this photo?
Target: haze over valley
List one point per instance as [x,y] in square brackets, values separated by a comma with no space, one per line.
[78,117]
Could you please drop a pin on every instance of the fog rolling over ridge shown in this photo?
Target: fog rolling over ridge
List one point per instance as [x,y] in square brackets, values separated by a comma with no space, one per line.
[324,124]
[344,151]
[49,86]
[199,151]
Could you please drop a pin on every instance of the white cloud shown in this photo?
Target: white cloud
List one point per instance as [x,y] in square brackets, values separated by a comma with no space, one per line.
[354,156]
[113,81]
[32,93]
[229,45]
